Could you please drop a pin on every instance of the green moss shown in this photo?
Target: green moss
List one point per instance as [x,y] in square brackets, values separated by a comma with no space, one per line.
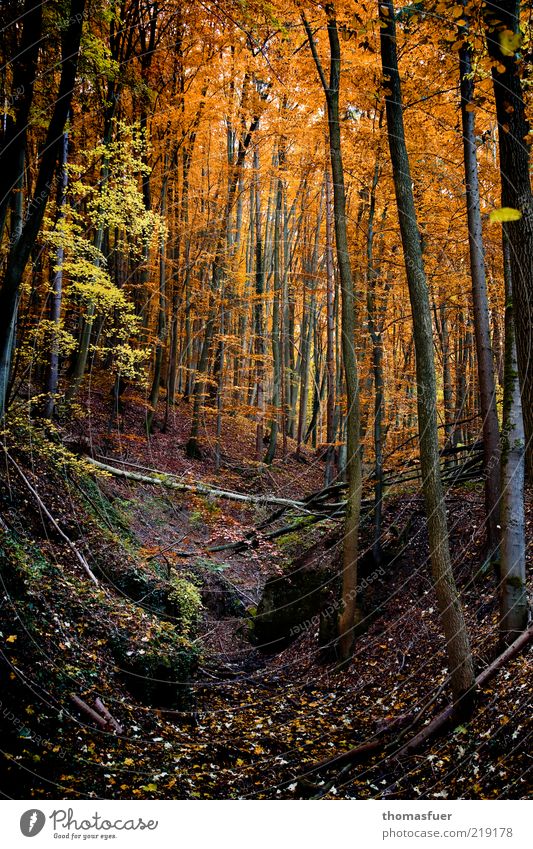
[185,602]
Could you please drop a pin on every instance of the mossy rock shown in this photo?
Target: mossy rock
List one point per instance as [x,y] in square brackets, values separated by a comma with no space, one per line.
[158,672]
[289,605]
[183,603]
[176,598]
[308,596]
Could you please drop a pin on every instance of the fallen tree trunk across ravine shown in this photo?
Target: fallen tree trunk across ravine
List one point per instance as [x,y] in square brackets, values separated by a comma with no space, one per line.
[324,502]
[170,482]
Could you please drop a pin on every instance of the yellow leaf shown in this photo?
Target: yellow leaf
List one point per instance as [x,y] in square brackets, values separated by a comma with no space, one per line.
[510,42]
[150,787]
[128,761]
[504,213]
[11,639]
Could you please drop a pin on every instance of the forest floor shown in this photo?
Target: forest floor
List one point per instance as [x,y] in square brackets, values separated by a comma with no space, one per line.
[252,724]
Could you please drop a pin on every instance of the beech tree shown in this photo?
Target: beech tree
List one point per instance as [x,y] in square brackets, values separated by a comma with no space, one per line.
[513,596]
[331,86]
[452,618]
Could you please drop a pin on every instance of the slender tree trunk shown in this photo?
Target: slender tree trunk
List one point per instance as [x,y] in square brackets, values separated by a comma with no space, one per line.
[7,352]
[57,283]
[513,597]
[276,329]
[377,369]
[451,612]
[330,334]
[308,329]
[460,381]
[259,333]
[307,326]
[349,616]
[162,313]
[485,361]
[13,150]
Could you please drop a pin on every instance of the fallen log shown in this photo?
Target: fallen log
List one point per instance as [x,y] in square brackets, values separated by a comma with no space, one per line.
[358,752]
[101,716]
[88,711]
[101,708]
[199,488]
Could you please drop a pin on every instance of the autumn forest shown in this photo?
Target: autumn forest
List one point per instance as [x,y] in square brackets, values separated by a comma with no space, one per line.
[266,399]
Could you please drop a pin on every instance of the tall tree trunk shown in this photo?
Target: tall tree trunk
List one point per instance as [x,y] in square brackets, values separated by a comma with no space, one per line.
[374,330]
[513,598]
[57,283]
[451,612]
[502,20]
[7,352]
[162,310]
[13,150]
[485,361]
[308,328]
[349,616]
[330,334]
[276,329]
[259,333]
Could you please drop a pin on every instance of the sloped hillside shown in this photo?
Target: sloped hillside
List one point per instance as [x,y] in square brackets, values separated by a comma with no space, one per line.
[161,640]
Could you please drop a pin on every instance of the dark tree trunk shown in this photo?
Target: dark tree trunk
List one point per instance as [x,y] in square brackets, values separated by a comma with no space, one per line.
[502,19]
[13,152]
[349,616]
[451,612]
[57,284]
